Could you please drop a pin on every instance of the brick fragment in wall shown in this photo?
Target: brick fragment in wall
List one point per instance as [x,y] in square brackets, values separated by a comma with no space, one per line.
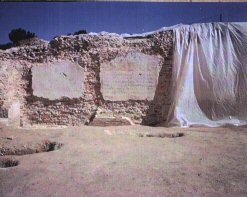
[90,53]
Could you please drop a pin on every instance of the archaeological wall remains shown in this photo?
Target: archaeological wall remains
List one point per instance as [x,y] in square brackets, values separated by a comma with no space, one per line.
[102,79]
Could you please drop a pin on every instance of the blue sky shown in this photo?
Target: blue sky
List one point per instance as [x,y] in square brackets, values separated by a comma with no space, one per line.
[48,19]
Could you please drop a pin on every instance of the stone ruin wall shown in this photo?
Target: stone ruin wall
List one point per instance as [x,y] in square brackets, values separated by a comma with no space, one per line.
[107,64]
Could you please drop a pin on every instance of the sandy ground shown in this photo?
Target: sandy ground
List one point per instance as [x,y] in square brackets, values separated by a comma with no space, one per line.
[116,161]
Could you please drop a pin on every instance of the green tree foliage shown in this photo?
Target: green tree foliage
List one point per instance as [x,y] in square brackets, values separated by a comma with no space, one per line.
[83,31]
[16,35]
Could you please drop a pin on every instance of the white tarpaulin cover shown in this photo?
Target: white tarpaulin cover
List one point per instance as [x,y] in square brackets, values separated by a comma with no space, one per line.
[209,75]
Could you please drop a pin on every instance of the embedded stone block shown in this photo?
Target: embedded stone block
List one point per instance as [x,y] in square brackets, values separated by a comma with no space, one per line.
[58,80]
[130,77]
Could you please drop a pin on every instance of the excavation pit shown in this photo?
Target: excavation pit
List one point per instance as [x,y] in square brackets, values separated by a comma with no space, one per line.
[7,163]
[44,146]
[51,146]
[162,135]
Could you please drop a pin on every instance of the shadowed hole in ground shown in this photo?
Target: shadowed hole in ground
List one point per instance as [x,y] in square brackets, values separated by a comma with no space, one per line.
[7,162]
[45,146]
[162,135]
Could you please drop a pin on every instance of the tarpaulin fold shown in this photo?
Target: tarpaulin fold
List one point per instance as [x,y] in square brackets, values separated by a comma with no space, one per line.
[209,75]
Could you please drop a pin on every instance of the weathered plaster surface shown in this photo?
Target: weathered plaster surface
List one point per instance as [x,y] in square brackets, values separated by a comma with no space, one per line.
[130,77]
[58,80]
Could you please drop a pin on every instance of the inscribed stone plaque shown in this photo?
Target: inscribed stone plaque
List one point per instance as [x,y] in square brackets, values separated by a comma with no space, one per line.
[14,114]
[130,77]
[61,79]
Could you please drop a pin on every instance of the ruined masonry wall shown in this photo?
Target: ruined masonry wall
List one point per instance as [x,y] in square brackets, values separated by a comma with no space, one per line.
[89,63]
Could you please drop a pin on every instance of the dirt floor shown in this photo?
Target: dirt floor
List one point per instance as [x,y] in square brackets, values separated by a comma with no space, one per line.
[123,161]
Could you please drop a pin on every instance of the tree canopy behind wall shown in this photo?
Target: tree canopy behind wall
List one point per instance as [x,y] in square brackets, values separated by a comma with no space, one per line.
[16,35]
[83,31]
